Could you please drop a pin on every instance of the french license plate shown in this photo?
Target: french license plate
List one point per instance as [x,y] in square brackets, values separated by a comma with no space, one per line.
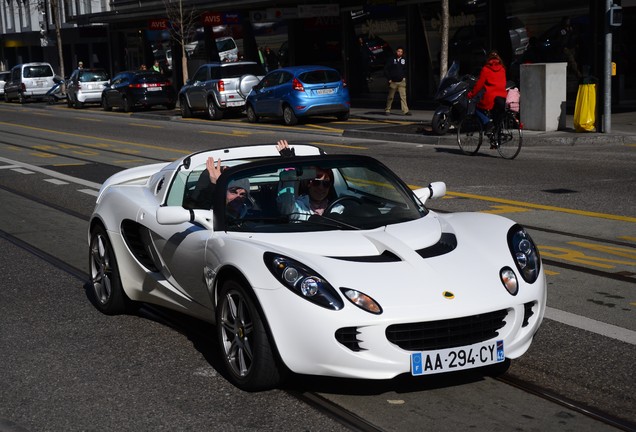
[325,91]
[154,89]
[39,83]
[453,359]
[235,104]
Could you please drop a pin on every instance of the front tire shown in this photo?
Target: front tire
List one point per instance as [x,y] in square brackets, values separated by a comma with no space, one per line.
[440,123]
[105,105]
[343,116]
[186,112]
[105,291]
[289,117]
[247,352]
[251,114]
[510,137]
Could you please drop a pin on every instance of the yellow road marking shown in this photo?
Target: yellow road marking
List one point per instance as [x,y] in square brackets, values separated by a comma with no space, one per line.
[544,207]
[551,273]
[154,147]
[232,134]
[88,119]
[580,257]
[145,125]
[629,238]
[69,164]
[43,114]
[502,209]
[325,128]
[339,145]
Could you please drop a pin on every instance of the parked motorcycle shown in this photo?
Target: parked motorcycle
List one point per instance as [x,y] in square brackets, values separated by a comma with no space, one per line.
[55,93]
[452,98]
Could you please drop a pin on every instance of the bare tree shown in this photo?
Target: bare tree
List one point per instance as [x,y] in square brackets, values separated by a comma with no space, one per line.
[183,27]
[57,23]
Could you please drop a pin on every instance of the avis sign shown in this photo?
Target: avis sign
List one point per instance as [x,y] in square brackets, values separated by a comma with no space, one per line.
[158,24]
[216,18]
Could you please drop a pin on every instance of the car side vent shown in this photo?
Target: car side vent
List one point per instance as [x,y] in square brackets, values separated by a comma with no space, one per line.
[385,256]
[137,239]
[446,244]
[527,313]
[348,336]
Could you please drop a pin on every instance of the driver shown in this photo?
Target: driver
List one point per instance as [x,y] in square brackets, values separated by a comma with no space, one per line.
[320,193]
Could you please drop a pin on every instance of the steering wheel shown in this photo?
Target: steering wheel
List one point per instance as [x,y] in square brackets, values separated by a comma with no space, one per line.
[340,201]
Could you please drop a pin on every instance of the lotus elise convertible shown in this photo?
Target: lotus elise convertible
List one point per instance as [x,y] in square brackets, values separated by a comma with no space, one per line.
[374,286]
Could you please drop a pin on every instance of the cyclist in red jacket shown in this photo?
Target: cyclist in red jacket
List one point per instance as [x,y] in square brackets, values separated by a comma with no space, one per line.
[492,78]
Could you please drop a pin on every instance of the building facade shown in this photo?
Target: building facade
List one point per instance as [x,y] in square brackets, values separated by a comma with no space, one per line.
[355,37]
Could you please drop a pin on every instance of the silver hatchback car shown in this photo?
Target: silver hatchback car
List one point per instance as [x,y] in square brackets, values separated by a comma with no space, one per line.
[219,87]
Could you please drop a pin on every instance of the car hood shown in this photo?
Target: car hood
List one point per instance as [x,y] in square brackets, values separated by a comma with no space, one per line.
[399,239]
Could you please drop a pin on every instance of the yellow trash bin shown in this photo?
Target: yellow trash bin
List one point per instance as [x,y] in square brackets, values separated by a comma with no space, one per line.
[585,108]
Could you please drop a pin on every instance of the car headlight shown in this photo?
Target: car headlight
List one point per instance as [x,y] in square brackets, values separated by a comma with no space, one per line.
[525,253]
[303,281]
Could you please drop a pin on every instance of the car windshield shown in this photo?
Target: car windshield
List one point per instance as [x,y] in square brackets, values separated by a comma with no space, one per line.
[38,71]
[225,45]
[280,196]
[319,77]
[92,76]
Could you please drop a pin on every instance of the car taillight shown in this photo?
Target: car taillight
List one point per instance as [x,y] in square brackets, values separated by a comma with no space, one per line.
[344,83]
[297,85]
[220,85]
[23,87]
[79,86]
[146,85]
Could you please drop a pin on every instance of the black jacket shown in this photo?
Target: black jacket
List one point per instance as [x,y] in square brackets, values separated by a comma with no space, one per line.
[395,69]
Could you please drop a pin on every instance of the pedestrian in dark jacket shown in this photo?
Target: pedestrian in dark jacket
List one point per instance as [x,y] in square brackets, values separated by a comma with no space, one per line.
[395,72]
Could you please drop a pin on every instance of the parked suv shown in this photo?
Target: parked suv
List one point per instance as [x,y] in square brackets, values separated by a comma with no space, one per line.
[219,87]
[29,81]
[85,86]
[4,77]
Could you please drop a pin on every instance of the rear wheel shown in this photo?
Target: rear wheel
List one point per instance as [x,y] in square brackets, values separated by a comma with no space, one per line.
[251,114]
[105,289]
[213,112]
[510,137]
[289,117]
[171,106]
[246,348]
[470,135]
[343,116]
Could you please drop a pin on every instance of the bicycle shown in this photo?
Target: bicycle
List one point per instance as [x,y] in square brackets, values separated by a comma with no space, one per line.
[505,136]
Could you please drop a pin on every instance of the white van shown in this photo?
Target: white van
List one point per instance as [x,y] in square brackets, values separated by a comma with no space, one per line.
[29,81]
[226,46]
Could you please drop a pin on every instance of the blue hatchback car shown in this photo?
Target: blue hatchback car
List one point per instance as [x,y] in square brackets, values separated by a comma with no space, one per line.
[299,91]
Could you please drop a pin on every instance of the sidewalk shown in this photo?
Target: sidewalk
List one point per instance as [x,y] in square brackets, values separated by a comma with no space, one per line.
[417,128]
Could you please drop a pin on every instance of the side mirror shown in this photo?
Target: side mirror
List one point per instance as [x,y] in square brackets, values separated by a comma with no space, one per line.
[107,85]
[175,215]
[188,82]
[433,191]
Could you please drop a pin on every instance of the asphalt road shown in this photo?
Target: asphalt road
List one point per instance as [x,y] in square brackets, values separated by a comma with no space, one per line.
[67,367]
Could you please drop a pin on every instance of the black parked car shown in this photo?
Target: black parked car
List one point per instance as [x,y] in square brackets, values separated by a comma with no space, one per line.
[131,89]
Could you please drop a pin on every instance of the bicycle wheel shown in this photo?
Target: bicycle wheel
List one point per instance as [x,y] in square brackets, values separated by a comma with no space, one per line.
[510,137]
[470,135]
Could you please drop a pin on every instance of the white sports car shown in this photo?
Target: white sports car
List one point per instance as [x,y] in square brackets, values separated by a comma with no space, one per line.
[375,286]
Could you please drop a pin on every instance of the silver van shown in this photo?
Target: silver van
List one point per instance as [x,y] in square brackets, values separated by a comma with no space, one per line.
[29,81]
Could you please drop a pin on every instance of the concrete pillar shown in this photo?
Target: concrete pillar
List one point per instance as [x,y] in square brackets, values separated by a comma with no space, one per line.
[543,96]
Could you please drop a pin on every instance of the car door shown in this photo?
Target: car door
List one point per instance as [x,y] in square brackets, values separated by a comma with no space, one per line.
[110,93]
[71,88]
[264,104]
[281,92]
[120,88]
[197,94]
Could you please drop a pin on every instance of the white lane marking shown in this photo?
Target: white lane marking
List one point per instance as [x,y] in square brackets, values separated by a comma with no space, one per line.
[9,166]
[54,174]
[56,181]
[598,327]
[22,171]
[92,192]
